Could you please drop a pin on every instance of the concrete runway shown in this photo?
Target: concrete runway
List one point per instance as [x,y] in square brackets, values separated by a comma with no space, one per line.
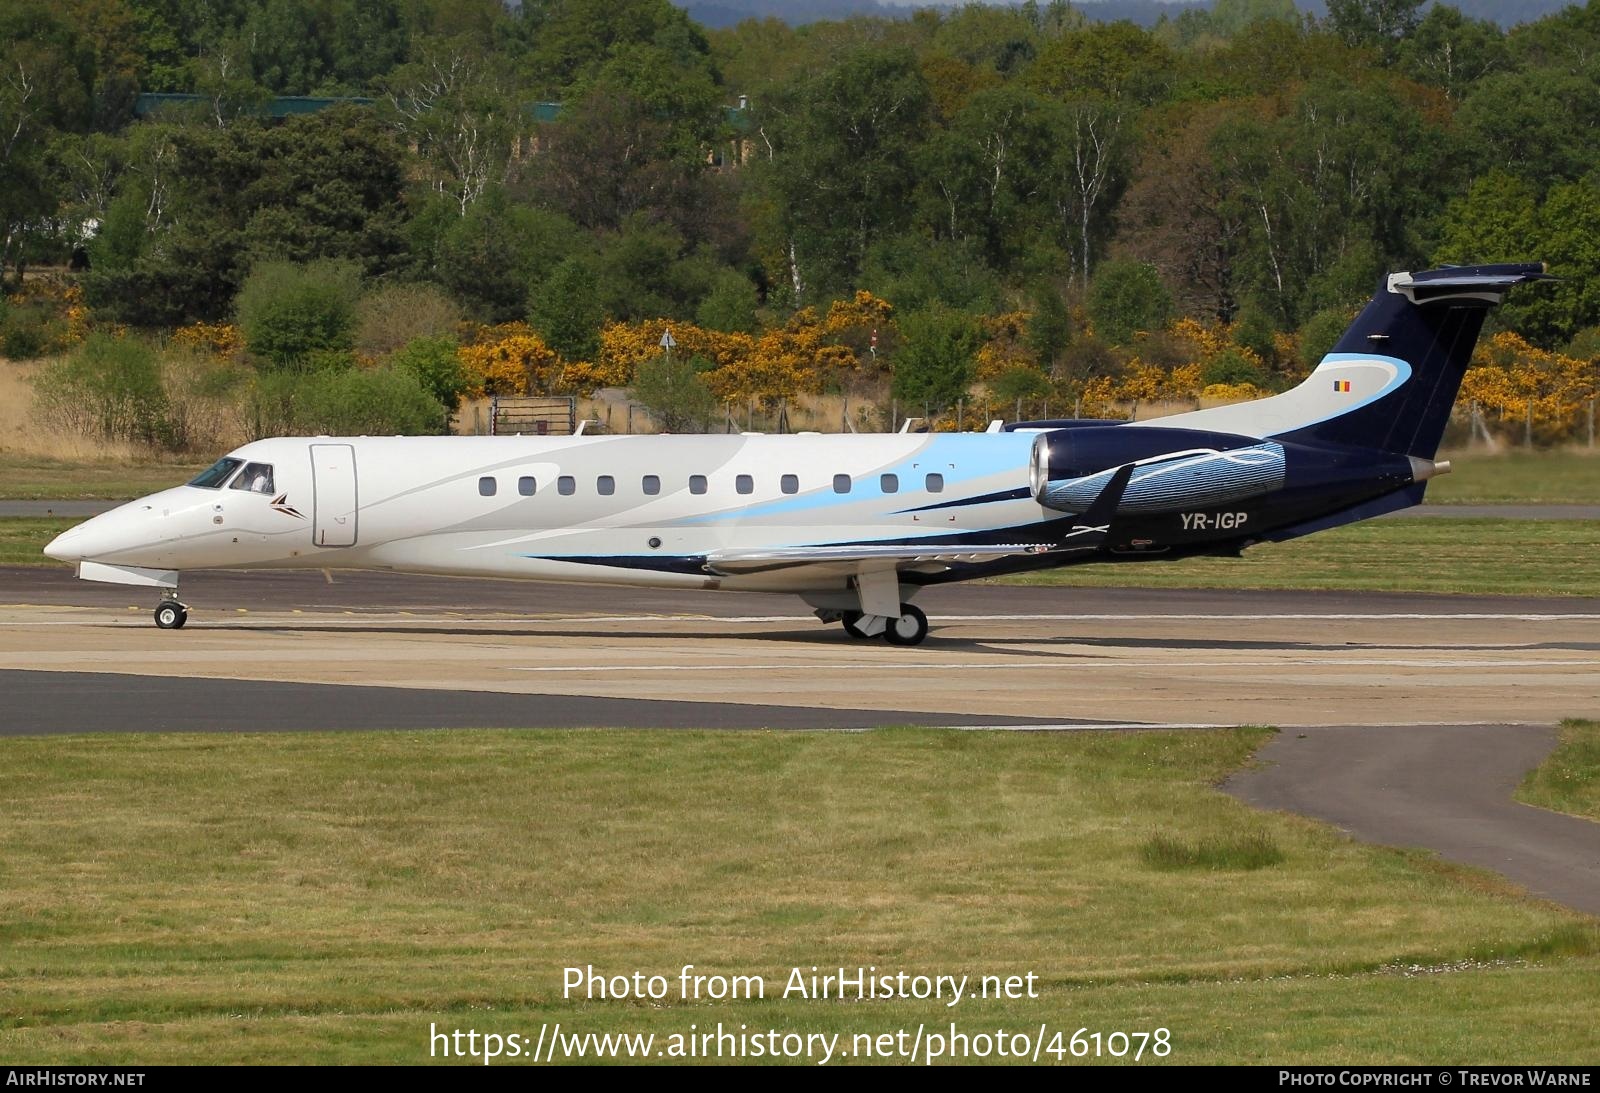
[1407,717]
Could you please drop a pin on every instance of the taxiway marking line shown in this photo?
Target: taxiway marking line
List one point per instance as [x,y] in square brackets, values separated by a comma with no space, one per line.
[1053,662]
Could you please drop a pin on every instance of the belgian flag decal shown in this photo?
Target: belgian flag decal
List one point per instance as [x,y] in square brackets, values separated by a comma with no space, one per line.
[1341,385]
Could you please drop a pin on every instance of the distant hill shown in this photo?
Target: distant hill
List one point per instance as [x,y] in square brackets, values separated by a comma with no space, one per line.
[726,13]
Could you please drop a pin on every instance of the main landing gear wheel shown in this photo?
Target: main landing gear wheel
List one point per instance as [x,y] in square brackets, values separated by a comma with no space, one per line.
[909,629]
[852,625]
[171,615]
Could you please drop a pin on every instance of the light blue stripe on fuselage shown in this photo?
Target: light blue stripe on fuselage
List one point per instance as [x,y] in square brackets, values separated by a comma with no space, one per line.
[962,460]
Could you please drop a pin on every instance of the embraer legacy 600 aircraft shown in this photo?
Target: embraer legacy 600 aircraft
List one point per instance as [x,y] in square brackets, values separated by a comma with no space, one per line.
[854,525]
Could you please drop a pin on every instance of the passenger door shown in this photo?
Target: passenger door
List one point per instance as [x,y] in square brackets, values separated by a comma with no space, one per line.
[334,503]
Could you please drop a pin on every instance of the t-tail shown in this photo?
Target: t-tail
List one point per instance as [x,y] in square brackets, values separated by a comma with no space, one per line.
[1390,382]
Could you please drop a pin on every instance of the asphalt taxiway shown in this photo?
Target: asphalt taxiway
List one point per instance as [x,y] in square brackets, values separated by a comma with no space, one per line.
[1406,718]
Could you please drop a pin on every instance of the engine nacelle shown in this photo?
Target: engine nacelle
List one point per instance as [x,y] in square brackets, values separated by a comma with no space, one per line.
[1176,468]
[1181,470]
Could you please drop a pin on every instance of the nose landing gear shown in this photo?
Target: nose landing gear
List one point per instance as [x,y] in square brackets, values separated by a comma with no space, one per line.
[170,614]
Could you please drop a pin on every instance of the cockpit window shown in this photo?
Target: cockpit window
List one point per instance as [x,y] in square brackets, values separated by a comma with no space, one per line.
[215,475]
[256,477]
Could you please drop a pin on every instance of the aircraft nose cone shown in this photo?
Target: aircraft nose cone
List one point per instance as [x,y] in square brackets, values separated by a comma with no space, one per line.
[62,548]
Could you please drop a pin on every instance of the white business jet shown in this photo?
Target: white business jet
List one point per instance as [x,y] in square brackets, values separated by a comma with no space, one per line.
[857,525]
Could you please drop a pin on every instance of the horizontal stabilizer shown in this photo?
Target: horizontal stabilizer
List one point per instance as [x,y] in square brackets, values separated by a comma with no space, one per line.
[1459,284]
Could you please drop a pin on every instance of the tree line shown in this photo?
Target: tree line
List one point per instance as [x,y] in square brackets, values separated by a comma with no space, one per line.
[1013,184]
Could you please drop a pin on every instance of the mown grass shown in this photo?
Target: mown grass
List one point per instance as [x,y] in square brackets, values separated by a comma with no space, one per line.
[1249,850]
[1570,476]
[324,897]
[22,538]
[33,478]
[1569,780]
[1422,554]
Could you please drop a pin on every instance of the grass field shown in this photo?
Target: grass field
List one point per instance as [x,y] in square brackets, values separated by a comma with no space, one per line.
[1569,476]
[1569,780]
[23,537]
[1395,554]
[326,896]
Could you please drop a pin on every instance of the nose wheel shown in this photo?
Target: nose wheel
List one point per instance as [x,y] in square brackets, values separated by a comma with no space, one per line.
[171,615]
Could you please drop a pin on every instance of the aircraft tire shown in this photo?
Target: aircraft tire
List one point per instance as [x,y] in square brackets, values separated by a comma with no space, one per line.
[171,615]
[852,625]
[909,629]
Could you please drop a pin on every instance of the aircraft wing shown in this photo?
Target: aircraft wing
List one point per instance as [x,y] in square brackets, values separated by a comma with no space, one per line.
[1089,532]
[730,562]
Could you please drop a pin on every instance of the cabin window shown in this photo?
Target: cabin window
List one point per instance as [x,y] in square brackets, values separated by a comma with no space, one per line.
[527,485]
[789,483]
[744,484]
[935,483]
[651,484]
[256,477]
[215,475]
[566,485]
[697,483]
[889,483]
[487,486]
[841,483]
[605,485]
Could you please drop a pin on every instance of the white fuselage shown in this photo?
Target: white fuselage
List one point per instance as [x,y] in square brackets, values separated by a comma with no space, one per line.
[603,509]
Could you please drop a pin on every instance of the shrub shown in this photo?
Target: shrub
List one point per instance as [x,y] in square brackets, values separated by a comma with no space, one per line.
[935,361]
[288,310]
[109,387]
[201,392]
[678,399]
[29,330]
[1232,367]
[395,315]
[355,402]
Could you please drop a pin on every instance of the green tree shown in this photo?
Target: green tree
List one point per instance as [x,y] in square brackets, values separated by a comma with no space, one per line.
[460,108]
[671,389]
[1451,51]
[938,352]
[842,164]
[730,305]
[490,257]
[1378,23]
[1103,76]
[326,185]
[46,78]
[1049,326]
[1126,298]
[986,178]
[288,311]
[567,312]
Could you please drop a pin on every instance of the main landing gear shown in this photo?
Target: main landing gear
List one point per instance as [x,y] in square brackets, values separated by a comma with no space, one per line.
[909,628]
[171,615]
